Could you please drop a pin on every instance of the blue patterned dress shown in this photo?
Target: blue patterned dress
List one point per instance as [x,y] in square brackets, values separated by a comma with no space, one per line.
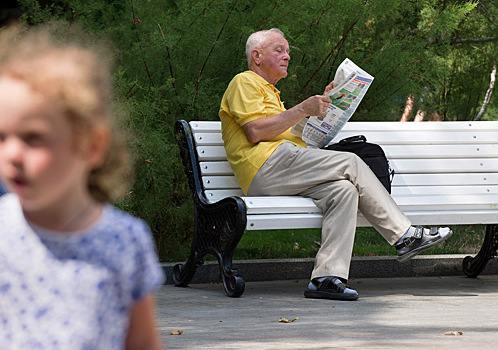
[60,291]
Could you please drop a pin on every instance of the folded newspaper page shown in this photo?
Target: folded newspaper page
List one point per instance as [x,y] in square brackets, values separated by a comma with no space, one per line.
[350,85]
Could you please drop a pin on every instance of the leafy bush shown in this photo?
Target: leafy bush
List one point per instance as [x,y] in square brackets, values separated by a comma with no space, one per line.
[174,60]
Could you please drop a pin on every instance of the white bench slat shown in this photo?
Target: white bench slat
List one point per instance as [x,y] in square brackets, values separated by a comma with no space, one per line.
[400,180]
[431,217]
[391,138]
[280,205]
[445,179]
[447,126]
[208,139]
[277,222]
[424,166]
[216,168]
[443,151]
[215,195]
[208,126]
[210,153]
[295,204]
[217,152]
[401,166]
[424,137]
[448,202]
[454,217]
[220,182]
[443,190]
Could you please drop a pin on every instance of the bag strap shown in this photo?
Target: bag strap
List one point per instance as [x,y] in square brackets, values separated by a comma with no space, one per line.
[353,139]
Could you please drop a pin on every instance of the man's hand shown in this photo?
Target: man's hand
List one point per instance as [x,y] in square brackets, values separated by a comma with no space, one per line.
[329,88]
[315,105]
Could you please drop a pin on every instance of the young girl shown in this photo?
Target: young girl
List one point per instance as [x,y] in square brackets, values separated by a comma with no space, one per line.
[75,272]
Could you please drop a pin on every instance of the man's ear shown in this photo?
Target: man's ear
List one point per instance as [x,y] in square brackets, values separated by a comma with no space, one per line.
[256,55]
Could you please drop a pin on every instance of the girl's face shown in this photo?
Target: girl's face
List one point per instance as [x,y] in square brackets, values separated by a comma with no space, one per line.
[38,156]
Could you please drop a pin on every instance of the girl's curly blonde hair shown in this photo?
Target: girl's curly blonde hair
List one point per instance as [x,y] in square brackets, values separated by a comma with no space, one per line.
[75,79]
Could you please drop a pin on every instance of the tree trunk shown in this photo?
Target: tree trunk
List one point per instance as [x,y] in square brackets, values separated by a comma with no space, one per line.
[487,97]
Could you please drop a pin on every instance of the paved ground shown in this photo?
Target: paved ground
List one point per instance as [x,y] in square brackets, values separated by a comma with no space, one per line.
[392,313]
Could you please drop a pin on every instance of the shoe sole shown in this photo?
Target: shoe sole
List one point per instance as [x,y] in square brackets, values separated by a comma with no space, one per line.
[327,295]
[420,249]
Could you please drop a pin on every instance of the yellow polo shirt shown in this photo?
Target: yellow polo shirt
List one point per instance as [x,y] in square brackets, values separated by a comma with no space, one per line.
[247,98]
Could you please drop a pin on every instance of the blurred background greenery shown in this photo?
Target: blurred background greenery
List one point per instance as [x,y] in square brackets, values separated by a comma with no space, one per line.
[174,59]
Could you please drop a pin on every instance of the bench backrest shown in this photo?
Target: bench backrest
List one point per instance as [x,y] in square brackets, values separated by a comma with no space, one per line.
[438,165]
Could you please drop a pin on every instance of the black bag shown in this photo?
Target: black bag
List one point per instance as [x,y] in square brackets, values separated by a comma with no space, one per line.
[371,153]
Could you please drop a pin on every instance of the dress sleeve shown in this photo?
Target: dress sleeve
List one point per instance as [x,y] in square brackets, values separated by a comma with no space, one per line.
[147,274]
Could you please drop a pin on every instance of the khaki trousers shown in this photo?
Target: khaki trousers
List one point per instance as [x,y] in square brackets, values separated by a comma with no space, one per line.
[340,184]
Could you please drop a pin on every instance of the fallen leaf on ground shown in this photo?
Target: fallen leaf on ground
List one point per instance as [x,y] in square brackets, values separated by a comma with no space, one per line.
[453,333]
[284,320]
[178,332]
[318,244]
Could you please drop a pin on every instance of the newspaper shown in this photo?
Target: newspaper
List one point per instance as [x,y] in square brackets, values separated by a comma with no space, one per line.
[350,85]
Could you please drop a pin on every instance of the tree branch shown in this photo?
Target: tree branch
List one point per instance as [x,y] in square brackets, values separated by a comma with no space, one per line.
[286,14]
[212,49]
[344,36]
[190,25]
[168,58]
[486,13]
[326,8]
[268,15]
[473,41]
[135,21]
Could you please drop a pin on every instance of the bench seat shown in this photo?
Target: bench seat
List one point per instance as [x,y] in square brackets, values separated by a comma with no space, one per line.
[446,173]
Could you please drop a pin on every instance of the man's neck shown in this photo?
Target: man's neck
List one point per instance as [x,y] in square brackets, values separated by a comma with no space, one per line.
[259,72]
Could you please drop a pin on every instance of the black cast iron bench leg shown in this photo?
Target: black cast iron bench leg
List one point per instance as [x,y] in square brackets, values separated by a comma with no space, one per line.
[473,266]
[218,226]
[217,232]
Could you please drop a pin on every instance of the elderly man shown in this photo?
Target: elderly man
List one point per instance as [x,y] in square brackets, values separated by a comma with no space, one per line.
[267,159]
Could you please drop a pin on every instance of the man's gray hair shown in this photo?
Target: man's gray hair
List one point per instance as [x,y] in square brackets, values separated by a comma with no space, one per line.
[257,40]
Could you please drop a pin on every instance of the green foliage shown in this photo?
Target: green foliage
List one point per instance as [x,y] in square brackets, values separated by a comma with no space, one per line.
[281,244]
[174,60]
[38,13]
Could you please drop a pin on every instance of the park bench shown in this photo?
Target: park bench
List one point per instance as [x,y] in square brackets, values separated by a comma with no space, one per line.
[446,173]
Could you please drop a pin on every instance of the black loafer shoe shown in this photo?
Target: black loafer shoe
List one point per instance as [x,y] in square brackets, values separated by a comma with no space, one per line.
[331,288]
[421,240]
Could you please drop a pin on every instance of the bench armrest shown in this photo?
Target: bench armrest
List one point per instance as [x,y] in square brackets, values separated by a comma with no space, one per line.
[219,226]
